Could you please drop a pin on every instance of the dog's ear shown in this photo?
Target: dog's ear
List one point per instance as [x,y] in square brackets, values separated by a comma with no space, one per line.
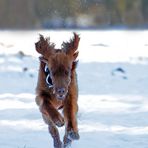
[71,47]
[44,47]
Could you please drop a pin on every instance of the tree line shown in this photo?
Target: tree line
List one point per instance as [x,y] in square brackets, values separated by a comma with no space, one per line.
[33,14]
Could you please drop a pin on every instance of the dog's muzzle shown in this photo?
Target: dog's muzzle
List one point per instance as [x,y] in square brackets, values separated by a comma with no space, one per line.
[60,93]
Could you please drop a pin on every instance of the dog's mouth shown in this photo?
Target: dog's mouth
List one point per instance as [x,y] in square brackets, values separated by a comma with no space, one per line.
[60,97]
[60,92]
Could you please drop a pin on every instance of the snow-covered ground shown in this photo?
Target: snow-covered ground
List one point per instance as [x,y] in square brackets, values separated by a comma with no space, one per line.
[113,95]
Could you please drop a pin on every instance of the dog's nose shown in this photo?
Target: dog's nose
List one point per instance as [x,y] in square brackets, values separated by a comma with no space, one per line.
[61,91]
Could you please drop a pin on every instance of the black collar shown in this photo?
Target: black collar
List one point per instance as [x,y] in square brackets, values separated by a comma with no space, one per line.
[48,76]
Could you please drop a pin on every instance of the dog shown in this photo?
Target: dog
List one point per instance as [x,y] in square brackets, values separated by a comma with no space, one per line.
[57,88]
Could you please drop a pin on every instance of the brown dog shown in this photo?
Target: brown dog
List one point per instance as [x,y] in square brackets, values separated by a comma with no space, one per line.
[57,88]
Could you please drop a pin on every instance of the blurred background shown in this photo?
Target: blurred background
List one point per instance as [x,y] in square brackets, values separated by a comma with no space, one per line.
[112,70]
[79,14]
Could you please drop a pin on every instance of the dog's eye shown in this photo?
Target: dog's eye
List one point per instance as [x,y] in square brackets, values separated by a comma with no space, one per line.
[67,72]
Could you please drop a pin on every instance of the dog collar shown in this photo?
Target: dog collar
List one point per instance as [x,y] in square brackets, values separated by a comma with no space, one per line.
[48,76]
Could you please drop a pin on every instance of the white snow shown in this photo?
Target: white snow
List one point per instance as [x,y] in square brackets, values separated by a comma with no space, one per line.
[113,105]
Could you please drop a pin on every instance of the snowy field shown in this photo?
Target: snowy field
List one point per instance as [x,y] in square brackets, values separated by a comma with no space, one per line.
[113,89]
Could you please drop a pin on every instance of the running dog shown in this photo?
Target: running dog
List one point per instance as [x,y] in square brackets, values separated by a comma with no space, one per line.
[57,88]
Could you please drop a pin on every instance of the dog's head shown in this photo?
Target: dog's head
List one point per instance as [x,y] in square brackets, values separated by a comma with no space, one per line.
[60,62]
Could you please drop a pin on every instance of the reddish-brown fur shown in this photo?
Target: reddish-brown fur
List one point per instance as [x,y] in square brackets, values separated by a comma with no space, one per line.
[62,65]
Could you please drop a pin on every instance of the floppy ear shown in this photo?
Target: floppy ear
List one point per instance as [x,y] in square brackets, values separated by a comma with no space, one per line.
[71,47]
[44,47]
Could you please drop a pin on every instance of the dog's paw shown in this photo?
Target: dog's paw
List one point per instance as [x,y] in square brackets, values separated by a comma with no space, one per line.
[69,137]
[58,144]
[67,142]
[59,121]
[73,135]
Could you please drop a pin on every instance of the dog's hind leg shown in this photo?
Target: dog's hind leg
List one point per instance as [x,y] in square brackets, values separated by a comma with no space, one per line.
[53,131]
[67,141]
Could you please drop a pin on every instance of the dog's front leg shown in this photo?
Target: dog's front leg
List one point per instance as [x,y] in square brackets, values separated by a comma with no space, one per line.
[70,113]
[51,117]
[53,131]
[47,108]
